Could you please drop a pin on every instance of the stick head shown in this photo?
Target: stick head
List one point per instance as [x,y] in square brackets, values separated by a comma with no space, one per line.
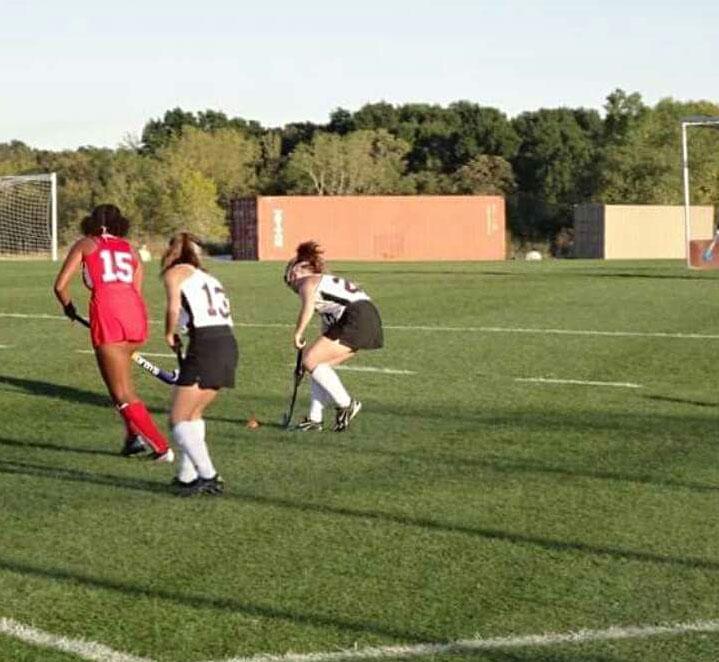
[707,254]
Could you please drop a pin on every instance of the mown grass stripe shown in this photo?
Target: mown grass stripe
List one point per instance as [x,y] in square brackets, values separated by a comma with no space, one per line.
[614,633]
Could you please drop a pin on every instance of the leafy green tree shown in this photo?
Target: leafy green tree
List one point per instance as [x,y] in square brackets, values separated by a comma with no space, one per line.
[226,156]
[479,130]
[641,165]
[485,175]
[176,197]
[16,158]
[362,162]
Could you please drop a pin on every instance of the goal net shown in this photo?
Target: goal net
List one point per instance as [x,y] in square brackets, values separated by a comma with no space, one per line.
[28,216]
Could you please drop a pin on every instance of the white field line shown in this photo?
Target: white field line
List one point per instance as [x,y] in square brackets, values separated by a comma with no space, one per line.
[479,644]
[366,368]
[5,346]
[455,329]
[547,380]
[86,650]
[90,650]
[169,356]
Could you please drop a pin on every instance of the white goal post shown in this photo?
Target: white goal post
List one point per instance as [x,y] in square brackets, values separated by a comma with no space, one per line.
[28,216]
[693,120]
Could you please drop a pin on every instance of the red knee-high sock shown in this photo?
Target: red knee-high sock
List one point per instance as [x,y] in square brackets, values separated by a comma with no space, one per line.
[136,415]
[130,429]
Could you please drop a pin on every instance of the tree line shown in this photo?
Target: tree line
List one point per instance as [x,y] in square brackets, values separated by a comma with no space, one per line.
[186,167]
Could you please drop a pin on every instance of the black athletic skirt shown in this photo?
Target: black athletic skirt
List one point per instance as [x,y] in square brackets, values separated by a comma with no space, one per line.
[360,327]
[211,358]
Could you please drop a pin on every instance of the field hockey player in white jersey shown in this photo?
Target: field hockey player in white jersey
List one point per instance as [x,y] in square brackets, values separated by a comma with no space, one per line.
[198,302]
[350,322]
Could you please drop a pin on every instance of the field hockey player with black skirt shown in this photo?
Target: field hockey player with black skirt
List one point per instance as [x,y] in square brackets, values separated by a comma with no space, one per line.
[198,302]
[350,322]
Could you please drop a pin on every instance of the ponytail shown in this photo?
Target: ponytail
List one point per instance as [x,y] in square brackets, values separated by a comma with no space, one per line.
[310,253]
[183,248]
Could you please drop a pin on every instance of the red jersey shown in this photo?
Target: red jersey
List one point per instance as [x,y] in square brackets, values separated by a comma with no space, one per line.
[117,311]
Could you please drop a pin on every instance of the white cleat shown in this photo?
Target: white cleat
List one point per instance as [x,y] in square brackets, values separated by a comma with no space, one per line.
[168,456]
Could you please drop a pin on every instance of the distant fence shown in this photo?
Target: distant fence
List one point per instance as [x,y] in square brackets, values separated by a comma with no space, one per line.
[398,228]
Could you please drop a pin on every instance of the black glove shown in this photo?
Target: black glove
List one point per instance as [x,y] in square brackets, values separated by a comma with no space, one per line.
[69,310]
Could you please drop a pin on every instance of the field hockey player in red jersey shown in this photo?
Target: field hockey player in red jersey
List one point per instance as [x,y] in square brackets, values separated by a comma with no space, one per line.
[118,317]
[350,322]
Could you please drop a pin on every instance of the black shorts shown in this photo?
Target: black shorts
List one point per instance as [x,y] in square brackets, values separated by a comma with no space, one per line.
[360,327]
[211,358]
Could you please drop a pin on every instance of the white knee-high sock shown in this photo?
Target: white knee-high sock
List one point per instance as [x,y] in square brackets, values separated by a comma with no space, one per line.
[182,433]
[330,382]
[194,445]
[318,399]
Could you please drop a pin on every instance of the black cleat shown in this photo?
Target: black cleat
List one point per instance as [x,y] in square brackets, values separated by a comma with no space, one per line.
[183,489]
[211,486]
[308,425]
[346,414]
[134,445]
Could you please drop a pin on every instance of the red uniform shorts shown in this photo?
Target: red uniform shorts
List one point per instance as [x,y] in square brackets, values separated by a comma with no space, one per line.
[118,319]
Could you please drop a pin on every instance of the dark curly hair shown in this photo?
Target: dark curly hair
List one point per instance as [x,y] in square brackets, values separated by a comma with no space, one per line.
[105,218]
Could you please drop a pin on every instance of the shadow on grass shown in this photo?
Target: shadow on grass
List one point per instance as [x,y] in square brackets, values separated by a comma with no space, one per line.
[511,466]
[26,445]
[547,544]
[200,601]
[681,401]
[57,391]
[63,392]
[649,276]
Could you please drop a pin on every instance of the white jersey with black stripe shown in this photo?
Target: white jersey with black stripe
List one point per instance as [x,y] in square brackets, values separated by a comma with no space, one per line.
[204,302]
[333,295]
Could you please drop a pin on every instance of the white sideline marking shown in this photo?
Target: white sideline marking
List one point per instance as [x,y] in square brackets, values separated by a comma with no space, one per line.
[91,650]
[449,329]
[87,650]
[366,368]
[5,346]
[90,351]
[470,645]
[547,380]
[566,332]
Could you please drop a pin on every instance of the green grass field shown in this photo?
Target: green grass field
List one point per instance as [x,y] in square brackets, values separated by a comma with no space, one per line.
[462,504]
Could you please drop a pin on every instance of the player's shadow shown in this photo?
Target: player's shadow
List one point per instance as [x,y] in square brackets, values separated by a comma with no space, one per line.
[63,392]
[56,391]
[26,445]
[294,505]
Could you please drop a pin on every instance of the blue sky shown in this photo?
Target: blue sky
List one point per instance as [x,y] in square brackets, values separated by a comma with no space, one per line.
[79,72]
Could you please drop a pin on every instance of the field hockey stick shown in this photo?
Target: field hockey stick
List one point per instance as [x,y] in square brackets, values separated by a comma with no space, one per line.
[297,374]
[709,251]
[163,375]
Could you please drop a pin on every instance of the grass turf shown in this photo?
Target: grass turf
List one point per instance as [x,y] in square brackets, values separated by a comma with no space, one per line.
[461,503]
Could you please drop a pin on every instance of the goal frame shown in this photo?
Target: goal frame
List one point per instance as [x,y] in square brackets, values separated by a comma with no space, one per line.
[691,121]
[52,178]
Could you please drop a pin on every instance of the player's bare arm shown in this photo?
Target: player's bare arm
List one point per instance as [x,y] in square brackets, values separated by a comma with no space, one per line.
[173,280]
[139,275]
[307,292]
[67,272]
